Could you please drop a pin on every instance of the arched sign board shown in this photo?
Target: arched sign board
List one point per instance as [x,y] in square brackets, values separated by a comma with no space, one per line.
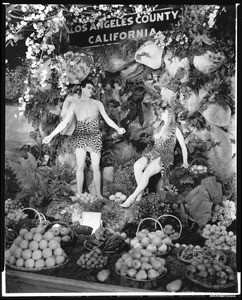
[116,30]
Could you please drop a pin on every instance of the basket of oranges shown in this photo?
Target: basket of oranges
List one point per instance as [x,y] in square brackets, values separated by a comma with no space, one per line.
[35,249]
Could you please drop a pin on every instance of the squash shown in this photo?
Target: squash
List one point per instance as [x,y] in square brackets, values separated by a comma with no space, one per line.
[174,286]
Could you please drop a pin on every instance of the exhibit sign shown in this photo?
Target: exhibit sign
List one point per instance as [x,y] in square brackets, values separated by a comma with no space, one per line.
[115,30]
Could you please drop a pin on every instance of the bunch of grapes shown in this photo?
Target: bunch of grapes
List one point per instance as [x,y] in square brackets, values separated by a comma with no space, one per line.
[224,213]
[14,210]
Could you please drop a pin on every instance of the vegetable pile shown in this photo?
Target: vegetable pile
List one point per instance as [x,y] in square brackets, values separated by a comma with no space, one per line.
[93,259]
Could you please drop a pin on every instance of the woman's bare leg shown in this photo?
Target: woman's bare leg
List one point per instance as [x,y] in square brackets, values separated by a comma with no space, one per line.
[95,157]
[139,167]
[152,169]
[80,160]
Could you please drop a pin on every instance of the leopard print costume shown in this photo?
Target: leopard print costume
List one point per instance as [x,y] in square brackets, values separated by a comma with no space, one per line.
[87,135]
[164,149]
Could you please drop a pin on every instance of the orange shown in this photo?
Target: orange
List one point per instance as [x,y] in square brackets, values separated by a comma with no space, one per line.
[59,259]
[37,236]
[33,245]
[37,254]
[58,251]
[20,262]
[24,244]
[26,254]
[12,260]
[40,263]
[33,230]
[18,240]
[7,255]
[49,235]
[28,236]
[17,252]
[47,252]
[50,262]
[53,244]
[29,263]
[157,241]
[12,248]
[43,244]
[23,231]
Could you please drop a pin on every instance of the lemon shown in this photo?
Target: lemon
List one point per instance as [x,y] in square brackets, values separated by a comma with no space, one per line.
[20,262]
[49,235]
[37,236]
[40,263]
[50,262]
[43,244]
[59,259]
[58,251]
[24,244]
[26,253]
[33,245]
[28,236]
[47,252]
[29,263]
[37,254]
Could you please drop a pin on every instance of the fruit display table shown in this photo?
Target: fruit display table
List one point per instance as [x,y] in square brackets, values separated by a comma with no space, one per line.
[72,278]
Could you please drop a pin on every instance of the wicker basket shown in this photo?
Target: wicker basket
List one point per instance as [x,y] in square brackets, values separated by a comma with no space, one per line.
[188,261]
[61,223]
[35,269]
[145,280]
[211,286]
[38,220]
[174,221]
[156,222]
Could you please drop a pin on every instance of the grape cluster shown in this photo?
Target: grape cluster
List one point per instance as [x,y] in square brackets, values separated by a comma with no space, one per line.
[14,210]
[224,213]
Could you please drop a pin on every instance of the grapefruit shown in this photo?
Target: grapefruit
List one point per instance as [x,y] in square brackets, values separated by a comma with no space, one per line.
[23,231]
[17,252]
[58,251]
[49,235]
[18,240]
[12,260]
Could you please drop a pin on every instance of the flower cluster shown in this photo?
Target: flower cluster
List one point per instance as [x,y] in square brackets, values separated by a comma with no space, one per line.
[164,41]
[225,213]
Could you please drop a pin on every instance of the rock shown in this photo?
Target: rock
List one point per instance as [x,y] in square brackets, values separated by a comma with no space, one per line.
[214,189]
[198,205]
[208,62]
[150,55]
[217,115]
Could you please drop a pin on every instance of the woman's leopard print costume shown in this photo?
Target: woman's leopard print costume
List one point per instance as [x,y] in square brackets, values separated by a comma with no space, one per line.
[87,135]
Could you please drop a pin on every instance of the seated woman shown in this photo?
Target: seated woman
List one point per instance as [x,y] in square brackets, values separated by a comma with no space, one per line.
[161,156]
[86,136]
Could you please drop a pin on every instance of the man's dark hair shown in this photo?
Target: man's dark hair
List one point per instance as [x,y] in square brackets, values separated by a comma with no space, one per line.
[85,82]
